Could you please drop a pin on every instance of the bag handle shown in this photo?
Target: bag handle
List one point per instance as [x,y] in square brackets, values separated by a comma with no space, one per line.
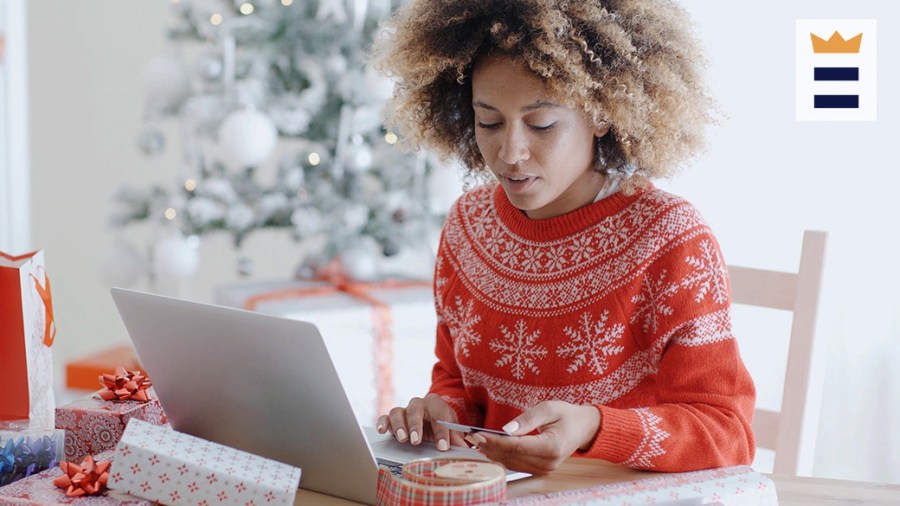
[44,293]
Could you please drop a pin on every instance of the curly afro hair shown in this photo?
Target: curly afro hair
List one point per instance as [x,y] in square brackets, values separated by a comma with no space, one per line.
[631,63]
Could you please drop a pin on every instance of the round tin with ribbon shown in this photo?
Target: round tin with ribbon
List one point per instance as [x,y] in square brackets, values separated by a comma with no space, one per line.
[442,481]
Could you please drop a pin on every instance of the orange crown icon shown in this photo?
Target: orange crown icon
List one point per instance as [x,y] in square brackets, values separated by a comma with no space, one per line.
[836,44]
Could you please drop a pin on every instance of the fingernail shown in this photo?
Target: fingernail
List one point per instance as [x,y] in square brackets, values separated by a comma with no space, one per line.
[380,427]
[471,441]
[478,439]
[511,427]
[443,445]
[413,437]
[401,435]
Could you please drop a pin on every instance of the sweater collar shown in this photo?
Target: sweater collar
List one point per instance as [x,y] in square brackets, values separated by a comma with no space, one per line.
[563,225]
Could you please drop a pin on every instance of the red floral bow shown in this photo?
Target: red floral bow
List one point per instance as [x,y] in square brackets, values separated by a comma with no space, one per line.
[125,385]
[87,479]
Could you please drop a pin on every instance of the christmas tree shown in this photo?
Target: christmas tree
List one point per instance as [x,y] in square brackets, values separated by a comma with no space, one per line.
[280,121]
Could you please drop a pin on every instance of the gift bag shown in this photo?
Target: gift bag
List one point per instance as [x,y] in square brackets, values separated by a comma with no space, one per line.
[27,331]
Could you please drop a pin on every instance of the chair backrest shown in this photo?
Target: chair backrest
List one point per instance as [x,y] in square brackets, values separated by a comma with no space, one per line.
[793,428]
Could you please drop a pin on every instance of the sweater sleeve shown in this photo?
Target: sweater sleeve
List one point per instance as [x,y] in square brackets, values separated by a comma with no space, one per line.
[446,377]
[446,380]
[703,398]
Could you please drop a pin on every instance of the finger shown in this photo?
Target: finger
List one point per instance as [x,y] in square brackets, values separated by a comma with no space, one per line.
[436,409]
[397,419]
[383,424]
[533,454]
[456,439]
[544,446]
[415,411]
[539,416]
[474,439]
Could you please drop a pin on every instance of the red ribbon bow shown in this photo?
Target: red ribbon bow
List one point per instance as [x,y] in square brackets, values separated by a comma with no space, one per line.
[87,479]
[125,385]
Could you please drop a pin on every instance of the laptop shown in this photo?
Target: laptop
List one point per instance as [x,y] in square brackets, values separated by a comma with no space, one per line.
[262,384]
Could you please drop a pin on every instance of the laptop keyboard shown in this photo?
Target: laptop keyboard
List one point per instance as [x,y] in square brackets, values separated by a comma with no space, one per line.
[395,468]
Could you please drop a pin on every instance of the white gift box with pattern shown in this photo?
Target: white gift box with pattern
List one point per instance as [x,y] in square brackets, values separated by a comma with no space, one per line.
[173,468]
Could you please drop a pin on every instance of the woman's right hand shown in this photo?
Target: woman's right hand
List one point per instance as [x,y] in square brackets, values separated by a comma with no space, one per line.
[413,423]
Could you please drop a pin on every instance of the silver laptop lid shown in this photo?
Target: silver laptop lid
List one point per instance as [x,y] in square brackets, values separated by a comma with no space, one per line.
[259,383]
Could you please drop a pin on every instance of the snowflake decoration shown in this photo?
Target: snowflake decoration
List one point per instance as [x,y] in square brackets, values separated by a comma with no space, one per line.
[650,446]
[517,348]
[462,321]
[709,274]
[556,258]
[651,301]
[531,259]
[592,343]
[582,248]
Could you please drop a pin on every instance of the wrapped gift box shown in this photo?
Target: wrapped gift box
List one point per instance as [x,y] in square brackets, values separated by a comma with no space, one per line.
[163,465]
[83,372]
[26,450]
[376,373]
[732,486]
[93,425]
[39,490]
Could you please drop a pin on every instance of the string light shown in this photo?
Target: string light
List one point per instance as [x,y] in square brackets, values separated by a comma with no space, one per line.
[246,8]
[286,2]
[391,138]
[190,185]
[170,213]
[216,19]
[314,159]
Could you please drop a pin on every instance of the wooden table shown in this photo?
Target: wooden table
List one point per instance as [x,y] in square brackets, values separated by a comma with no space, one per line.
[580,473]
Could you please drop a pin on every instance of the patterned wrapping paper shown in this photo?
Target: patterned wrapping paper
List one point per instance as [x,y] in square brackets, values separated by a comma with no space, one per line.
[39,490]
[177,469]
[93,425]
[26,450]
[731,486]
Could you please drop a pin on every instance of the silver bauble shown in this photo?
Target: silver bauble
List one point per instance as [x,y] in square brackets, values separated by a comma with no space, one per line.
[209,67]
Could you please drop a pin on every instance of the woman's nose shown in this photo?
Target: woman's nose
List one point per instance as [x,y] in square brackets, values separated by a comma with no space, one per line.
[514,148]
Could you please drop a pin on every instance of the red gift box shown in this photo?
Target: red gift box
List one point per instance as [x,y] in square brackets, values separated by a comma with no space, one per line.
[39,490]
[93,425]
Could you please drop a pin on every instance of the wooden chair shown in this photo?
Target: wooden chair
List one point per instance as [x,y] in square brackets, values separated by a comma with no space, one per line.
[790,432]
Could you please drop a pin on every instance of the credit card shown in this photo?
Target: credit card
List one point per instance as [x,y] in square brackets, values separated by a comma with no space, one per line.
[470,428]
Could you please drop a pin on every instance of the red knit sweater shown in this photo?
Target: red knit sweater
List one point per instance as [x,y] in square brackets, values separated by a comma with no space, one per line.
[623,303]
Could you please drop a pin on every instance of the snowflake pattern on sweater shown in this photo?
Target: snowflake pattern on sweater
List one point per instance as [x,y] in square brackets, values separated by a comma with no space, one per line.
[623,304]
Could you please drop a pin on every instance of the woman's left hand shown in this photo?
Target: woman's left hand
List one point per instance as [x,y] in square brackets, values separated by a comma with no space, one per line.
[563,429]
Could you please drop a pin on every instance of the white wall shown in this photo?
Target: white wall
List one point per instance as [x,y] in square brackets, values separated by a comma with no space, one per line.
[765,179]
[15,220]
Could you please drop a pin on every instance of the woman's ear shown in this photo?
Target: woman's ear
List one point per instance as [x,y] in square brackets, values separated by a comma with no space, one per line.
[601,129]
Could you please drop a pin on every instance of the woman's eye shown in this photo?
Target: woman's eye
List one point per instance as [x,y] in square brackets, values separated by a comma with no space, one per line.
[544,128]
[488,126]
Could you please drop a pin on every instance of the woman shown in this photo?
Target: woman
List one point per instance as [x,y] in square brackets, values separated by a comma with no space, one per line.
[580,308]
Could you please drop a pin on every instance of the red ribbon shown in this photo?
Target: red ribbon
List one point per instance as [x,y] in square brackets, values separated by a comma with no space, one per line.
[125,385]
[44,293]
[381,320]
[87,479]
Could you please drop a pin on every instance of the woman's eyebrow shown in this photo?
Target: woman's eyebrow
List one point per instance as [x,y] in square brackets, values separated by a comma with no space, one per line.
[530,107]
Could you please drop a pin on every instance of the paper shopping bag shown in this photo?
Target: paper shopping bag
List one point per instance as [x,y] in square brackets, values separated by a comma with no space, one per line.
[27,331]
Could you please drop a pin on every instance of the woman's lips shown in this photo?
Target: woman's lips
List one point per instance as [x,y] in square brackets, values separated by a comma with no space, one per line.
[518,183]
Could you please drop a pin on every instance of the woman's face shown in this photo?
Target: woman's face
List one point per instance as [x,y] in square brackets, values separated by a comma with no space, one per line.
[541,151]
